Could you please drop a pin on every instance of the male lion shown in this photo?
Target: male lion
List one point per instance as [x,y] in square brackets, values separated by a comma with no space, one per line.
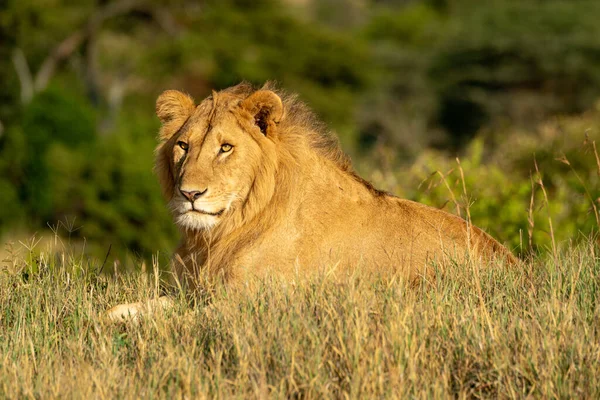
[257,184]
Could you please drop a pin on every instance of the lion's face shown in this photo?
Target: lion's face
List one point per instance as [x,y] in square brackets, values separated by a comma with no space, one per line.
[214,170]
[214,155]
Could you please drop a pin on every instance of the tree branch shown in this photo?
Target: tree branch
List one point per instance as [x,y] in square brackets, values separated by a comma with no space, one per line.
[60,52]
[72,43]
[24,74]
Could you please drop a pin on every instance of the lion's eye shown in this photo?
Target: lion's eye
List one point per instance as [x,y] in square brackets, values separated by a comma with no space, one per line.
[183,145]
[226,147]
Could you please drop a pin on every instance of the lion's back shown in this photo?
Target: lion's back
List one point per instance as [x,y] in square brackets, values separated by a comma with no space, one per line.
[433,233]
[399,235]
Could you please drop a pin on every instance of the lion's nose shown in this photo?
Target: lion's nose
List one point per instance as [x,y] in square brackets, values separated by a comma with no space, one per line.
[192,195]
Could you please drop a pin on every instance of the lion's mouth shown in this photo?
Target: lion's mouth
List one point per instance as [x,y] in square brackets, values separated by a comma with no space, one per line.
[214,214]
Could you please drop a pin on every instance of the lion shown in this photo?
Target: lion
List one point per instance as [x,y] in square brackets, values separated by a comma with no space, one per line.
[258,185]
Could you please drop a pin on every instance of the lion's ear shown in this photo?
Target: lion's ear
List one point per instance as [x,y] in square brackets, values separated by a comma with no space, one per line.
[173,108]
[267,109]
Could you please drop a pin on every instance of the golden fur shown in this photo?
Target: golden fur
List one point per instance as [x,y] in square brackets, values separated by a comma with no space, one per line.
[285,198]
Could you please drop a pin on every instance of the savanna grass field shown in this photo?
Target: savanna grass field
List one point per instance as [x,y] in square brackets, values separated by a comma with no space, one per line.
[487,110]
[487,331]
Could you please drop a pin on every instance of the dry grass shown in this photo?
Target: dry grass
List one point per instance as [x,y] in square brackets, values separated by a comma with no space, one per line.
[532,331]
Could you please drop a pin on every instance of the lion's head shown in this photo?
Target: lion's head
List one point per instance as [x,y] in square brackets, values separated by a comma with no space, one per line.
[212,157]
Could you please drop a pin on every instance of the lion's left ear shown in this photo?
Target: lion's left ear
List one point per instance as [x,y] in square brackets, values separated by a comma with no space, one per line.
[267,109]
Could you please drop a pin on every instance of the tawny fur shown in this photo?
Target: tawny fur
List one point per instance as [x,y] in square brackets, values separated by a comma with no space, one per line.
[292,204]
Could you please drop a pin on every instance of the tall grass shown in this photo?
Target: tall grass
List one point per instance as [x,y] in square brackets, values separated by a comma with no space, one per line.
[528,331]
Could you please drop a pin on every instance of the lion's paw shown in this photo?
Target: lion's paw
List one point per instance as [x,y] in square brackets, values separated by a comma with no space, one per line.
[132,311]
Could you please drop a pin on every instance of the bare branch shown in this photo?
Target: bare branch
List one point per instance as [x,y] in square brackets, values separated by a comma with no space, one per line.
[166,21]
[116,93]
[24,74]
[72,43]
[60,52]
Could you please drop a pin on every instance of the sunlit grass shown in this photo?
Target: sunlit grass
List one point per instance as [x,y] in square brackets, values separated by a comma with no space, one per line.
[533,330]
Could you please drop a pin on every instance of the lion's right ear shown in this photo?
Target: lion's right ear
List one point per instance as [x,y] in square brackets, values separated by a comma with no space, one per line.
[173,108]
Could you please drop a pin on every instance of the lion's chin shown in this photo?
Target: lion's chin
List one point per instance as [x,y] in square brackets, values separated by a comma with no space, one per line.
[197,221]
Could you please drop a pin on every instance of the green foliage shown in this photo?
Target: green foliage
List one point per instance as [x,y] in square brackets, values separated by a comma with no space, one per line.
[59,172]
[516,59]
[497,202]
[11,211]
[53,118]
[398,108]
[111,193]
[417,24]
[471,64]
[58,116]
[12,178]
